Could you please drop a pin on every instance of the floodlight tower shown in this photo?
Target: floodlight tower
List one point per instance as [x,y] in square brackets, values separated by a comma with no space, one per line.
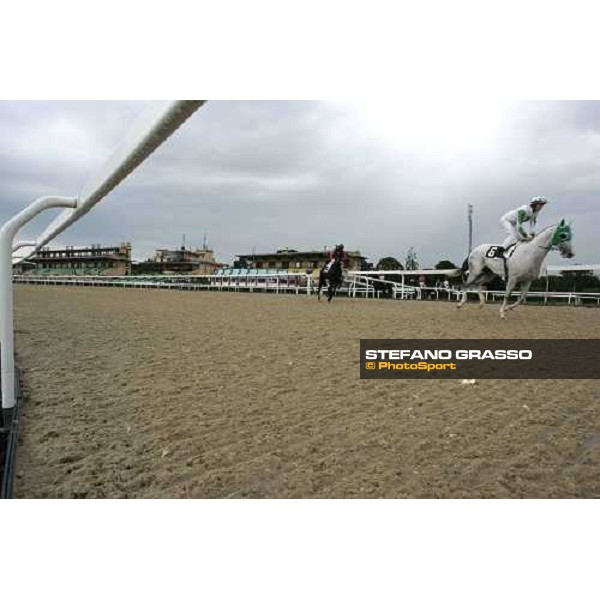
[470,217]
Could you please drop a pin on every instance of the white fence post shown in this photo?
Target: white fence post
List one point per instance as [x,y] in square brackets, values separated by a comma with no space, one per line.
[7,234]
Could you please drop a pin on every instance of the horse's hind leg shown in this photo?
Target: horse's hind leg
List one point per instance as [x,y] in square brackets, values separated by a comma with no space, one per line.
[469,283]
[462,300]
[475,272]
[481,298]
[478,275]
[489,277]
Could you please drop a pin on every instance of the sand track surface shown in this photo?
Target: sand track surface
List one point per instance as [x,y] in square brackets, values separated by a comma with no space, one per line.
[164,394]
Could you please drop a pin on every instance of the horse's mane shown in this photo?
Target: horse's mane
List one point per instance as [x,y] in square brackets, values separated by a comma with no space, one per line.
[549,227]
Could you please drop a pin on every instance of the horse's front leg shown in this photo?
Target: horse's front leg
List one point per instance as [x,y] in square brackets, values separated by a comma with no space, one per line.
[525,287]
[510,286]
[524,291]
[330,291]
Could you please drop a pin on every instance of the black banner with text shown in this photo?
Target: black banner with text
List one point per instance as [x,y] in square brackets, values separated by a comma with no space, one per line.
[480,359]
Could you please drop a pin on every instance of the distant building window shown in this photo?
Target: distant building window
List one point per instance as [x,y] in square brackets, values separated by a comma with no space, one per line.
[272,265]
[298,264]
[315,264]
[285,264]
[259,265]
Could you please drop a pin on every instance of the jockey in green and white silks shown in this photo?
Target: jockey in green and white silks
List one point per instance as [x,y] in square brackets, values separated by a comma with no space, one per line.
[514,220]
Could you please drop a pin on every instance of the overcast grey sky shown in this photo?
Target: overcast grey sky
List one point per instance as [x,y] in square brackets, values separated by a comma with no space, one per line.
[378,176]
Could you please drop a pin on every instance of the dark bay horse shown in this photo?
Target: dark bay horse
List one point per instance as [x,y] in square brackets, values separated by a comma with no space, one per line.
[331,274]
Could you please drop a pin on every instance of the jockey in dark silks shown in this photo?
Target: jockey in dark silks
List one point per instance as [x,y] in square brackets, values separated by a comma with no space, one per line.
[338,253]
[332,273]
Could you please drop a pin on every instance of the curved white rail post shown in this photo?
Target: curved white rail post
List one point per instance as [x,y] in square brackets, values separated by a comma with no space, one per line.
[7,234]
[146,135]
[23,244]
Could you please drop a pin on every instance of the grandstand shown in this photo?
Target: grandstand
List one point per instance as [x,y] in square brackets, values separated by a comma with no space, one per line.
[89,260]
[200,261]
[295,261]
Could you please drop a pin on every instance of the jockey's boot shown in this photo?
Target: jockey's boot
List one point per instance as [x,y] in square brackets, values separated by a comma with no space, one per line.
[502,254]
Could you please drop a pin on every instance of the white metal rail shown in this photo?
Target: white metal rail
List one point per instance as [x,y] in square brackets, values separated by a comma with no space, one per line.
[147,134]
[293,283]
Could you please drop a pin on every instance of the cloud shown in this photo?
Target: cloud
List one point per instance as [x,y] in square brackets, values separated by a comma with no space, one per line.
[378,176]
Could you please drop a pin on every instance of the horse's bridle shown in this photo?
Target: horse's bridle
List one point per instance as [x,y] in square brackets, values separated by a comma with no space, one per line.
[552,244]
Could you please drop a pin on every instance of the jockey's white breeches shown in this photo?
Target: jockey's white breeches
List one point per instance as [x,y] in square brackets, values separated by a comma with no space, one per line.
[513,234]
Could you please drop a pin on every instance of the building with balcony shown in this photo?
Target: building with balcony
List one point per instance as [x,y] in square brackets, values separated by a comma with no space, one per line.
[87,260]
[179,262]
[295,261]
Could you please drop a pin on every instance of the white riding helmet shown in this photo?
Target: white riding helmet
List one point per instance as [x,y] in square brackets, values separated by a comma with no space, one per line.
[538,200]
